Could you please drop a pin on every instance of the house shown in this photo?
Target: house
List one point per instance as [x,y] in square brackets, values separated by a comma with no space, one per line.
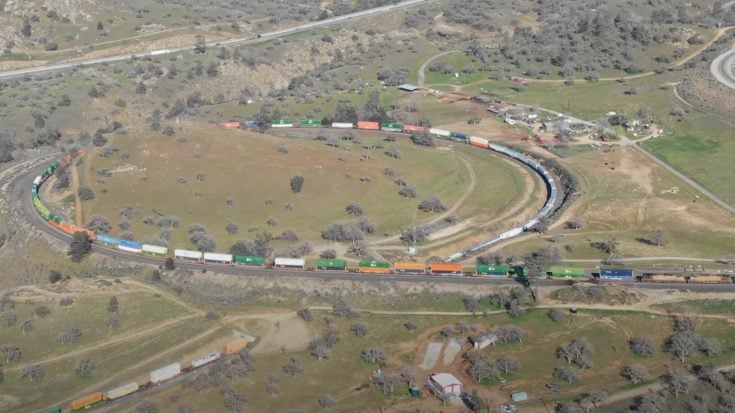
[444,385]
[407,87]
[481,342]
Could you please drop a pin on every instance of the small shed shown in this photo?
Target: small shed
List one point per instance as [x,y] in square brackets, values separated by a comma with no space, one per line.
[445,384]
[519,396]
[480,342]
[555,126]
[407,87]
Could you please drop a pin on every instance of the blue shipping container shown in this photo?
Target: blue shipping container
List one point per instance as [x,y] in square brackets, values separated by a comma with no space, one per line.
[251,123]
[616,273]
[130,244]
[107,239]
[459,136]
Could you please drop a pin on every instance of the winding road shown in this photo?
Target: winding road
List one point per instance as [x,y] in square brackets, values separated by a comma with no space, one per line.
[239,40]
[722,68]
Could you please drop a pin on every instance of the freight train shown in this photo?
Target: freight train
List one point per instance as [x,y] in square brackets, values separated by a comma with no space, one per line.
[447,268]
[155,377]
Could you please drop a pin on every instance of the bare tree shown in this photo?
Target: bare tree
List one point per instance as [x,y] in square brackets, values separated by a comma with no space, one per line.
[326,401]
[112,321]
[635,373]
[595,397]
[305,314]
[32,373]
[320,349]
[85,368]
[232,228]
[508,365]
[432,204]
[99,223]
[230,202]
[9,319]
[293,367]
[11,353]
[567,374]
[342,309]
[26,326]
[642,346]
[353,208]
[112,305]
[657,238]
[682,344]
[373,355]
[676,382]
[360,329]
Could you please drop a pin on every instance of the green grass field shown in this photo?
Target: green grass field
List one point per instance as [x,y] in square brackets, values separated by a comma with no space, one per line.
[259,171]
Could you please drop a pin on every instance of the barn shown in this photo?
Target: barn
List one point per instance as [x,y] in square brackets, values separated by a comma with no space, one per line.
[444,385]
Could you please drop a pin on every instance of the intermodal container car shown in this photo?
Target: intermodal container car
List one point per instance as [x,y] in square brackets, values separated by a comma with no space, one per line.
[41,208]
[249,260]
[130,246]
[207,358]
[440,132]
[335,265]
[165,373]
[367,125]
[413,128]
[374,267]
[188,255]
[85,402]
[155,250]
[310,123]
[215,258]
[72,229]
[391,127]
[446,268]
[121,391]
[616,273]
[479,142]
[496,270]
[567,272]
[460,137]
[281,262]
[409,268]
[282,123]
[108,240]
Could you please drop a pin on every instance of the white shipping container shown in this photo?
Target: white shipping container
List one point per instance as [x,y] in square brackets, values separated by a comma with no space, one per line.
[37,180]
[129,249]
[290,262]
[207,358]
[165,373]
[479,141]
[439,132]
[342,125]
[282,125]
[214,257]
[121,391]
[512,233]
[155,249]
[162,51]
[188,255]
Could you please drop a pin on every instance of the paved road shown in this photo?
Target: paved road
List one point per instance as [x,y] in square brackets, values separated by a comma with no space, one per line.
[240,40]
[722,68]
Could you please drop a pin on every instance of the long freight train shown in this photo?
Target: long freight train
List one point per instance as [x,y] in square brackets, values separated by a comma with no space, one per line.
[448,268]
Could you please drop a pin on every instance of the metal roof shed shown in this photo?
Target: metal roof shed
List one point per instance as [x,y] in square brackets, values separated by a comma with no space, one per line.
[407,87]
[519,396]
[446,383]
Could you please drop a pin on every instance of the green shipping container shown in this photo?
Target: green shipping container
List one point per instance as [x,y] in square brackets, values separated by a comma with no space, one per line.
[519,271]
[54,410]
[567,272]
[485,269]
[310,123]
[374,264]
[282,122]
[391,127]
[251,261]
[340,265]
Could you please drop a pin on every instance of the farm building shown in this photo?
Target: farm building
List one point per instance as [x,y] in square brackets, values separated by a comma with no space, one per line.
[556,125]
[407,87]
[480,342]
[444,385]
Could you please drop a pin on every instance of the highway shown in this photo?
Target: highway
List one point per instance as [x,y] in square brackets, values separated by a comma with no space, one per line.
[722,68]
[22,183]
[239,40]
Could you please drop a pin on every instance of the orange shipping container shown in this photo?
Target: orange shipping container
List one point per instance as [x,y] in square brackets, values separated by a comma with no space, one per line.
[413,128]
[71,229]
[373,270]
[85,401]
[234,346]
[230,125]
[409,266]
[364,124]
[446,268]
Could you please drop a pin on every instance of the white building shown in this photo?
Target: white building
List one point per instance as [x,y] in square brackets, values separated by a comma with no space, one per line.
[481,342]
[444,385]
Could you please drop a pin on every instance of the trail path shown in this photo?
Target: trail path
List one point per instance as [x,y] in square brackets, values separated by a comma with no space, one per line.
[422,68]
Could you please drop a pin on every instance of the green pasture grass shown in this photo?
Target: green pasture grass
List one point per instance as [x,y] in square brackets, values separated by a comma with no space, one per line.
[706,306]
[137,310]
